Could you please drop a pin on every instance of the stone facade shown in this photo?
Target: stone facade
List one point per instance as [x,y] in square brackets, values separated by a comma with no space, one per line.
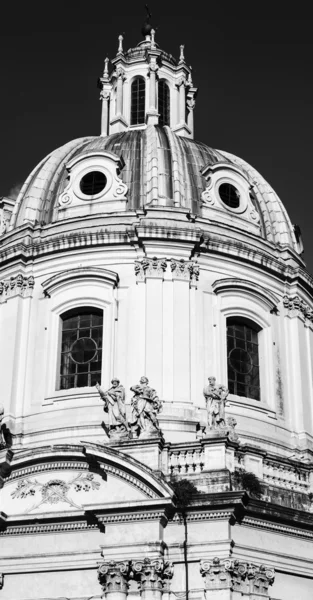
[91,500]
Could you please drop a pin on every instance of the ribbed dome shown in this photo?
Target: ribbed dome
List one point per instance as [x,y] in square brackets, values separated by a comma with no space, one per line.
[161,168]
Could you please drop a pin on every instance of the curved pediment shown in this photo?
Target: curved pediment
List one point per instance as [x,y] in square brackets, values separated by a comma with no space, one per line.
[77,481]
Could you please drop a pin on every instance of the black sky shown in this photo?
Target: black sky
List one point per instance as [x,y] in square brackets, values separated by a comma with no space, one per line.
[252,63]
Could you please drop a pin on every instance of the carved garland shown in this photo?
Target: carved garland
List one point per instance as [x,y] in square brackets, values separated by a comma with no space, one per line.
[298,306]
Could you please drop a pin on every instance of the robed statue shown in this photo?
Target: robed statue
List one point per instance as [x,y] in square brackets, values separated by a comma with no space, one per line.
[114,405]
[146,405]
[215,397]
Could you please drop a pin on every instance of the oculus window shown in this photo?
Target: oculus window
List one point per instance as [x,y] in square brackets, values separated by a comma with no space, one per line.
[81,348]
[93,183]
[229,195]
[164,103]
[138,101]
[243,358]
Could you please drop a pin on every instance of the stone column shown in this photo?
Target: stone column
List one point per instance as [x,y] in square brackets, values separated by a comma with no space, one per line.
[153,576]
[119,92]
[105,97]
[152,114]
[182,102]
[113,577]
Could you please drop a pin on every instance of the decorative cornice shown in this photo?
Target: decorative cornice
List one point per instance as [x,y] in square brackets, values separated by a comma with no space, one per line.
[147,515]
[277,527]
[50,466]
[36,528]
[19,285]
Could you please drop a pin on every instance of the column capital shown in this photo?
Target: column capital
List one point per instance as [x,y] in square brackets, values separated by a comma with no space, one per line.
[260,578]
[150,267]
[249,579]
[152,574]
[113,576]
[185,270]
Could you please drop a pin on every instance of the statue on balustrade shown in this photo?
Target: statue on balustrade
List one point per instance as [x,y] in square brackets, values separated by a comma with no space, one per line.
[216,399]
[2,440]
[146,406]
[114,405]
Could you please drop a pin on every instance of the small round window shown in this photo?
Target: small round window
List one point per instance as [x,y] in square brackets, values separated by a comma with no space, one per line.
[229,195]
[93,183]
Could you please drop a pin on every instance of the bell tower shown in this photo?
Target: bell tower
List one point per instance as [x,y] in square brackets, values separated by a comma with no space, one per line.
[147,86]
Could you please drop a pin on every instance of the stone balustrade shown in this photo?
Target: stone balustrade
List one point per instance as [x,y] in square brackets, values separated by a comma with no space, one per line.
[185,461]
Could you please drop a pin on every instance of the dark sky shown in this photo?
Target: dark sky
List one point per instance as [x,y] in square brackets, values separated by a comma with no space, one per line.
[252,63]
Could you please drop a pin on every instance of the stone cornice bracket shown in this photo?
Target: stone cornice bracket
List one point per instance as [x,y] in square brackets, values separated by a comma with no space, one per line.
[152,574]
[113,576]
[19,285]
[296,307]
[150,267]
[185,270]
[249,579]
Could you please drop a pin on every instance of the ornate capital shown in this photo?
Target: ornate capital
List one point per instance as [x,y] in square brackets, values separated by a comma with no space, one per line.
[260,578]
[237,576]
[297,307]
[113,576]
[185,270]
[223,574]
[152,574]
[16,286]
[150,267]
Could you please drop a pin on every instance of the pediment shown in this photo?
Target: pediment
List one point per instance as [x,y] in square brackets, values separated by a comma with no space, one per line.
[52,481]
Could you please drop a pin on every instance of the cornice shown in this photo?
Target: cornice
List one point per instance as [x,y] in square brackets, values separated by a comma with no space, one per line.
[234,284]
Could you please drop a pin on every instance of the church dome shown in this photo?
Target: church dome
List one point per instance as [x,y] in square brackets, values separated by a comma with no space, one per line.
[158,169]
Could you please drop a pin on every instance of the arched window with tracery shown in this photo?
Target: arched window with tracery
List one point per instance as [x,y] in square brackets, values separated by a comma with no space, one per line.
[243,357]
[164,103]
[81,347]
[138,101]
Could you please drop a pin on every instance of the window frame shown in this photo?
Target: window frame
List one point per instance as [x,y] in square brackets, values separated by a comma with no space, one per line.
[247,323]
[69,290]
[78,312]
[143,122]
[165,83]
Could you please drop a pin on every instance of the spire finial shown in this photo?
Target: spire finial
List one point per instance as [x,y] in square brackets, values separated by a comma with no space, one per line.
[120,44]
[182,57]
[106,69]
[146,29]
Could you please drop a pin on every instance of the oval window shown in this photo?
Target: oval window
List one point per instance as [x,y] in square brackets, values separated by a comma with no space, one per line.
[229,195]
[93,183]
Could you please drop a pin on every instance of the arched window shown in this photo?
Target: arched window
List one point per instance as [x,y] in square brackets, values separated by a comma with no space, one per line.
[243,357]
[81,348]
[138,100]
[164,103]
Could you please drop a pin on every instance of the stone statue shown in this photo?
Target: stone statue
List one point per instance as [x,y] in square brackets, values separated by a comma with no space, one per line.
[146,405]
[215,397]
[2,440]
[114,405]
